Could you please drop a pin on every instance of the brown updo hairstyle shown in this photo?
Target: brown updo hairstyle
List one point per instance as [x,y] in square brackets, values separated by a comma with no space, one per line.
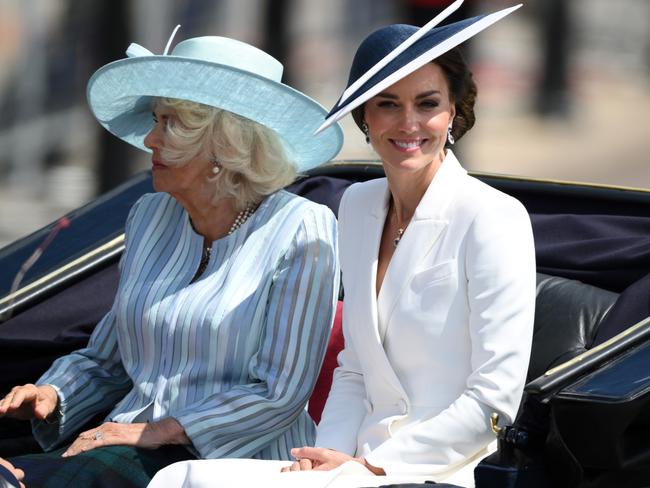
[462,90]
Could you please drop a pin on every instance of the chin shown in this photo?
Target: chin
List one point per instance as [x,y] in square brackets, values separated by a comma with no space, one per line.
[158,185]
[414,163]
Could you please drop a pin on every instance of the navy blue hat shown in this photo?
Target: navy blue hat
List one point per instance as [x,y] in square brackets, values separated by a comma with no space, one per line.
[395,51]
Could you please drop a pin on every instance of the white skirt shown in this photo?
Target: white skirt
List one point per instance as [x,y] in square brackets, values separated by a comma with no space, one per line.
[253,473]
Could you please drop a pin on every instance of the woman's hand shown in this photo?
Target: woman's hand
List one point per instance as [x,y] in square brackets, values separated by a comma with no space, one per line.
[321,459]
[18,473]
[146,435]
[29,401]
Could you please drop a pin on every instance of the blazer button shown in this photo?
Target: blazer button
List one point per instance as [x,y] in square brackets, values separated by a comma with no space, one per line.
[368,405]
[402,406]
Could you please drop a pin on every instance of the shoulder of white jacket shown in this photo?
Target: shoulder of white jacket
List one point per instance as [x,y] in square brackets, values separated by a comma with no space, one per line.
[483,196]
[366,194]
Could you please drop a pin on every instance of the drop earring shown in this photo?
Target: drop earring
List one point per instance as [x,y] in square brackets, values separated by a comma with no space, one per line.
[450,137]
[216,167]
[366,131]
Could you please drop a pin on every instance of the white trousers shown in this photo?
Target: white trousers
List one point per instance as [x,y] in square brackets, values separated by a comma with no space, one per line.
[253,473]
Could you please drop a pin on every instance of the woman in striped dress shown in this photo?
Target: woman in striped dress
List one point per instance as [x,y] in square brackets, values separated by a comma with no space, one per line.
[227,285]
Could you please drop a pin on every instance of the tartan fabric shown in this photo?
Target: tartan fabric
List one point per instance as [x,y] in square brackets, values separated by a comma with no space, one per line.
[104,467]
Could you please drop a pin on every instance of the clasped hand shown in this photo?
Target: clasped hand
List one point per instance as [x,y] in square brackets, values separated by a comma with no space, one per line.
[321,459]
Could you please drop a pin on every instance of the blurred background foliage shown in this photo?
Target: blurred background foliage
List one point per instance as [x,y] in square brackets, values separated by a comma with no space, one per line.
[564,85]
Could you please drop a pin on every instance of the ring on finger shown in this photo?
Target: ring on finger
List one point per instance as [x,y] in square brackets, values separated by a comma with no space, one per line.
[98,436]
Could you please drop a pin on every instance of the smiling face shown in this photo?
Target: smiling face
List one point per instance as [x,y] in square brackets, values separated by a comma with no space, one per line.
[408,121]
[177,180]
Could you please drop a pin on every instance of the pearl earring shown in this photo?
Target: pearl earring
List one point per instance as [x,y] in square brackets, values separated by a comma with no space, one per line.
[216,167]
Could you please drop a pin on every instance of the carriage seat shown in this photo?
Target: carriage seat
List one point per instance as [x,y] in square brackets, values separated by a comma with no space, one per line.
[567,316]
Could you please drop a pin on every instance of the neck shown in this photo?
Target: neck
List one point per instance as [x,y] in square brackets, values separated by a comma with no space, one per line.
[408,188]
[212,221]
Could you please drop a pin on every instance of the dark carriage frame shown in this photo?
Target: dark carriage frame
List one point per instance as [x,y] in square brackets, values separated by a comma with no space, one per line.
[87,257]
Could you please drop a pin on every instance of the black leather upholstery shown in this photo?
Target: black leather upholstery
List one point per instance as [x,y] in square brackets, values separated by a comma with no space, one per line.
[567,316]
[632,306]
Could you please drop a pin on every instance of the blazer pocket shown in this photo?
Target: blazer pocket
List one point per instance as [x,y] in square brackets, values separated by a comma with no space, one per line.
[430,276]
[430,296]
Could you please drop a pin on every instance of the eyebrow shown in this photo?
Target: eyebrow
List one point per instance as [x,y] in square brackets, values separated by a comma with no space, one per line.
[392,96]
[428,94]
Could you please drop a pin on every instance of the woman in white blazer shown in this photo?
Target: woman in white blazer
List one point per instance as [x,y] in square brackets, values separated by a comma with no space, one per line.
[439,277]
[439,274]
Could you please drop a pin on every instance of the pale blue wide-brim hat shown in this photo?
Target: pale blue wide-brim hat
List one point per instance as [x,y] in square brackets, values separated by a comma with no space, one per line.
[216,71]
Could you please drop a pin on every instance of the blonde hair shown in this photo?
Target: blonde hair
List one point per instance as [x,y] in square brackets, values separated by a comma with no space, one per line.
[253,162]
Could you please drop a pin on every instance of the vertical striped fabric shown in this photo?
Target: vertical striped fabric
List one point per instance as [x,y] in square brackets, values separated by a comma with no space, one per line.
[233,356]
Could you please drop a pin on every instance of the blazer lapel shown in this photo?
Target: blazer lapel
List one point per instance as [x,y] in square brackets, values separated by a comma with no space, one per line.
[362,319]
[372,228]
[427,225]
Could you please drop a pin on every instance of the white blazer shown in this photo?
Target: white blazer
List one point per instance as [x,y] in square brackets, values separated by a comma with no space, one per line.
[447,341]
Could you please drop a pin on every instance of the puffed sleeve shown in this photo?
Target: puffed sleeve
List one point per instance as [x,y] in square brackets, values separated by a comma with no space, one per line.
[500,273]
[282,373]
[88,381]
[344,409]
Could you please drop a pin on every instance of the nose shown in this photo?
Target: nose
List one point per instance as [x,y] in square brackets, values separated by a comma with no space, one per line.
[152,139]
[408,120]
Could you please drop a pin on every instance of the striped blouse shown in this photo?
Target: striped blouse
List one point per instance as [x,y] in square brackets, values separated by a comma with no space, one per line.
[233,357]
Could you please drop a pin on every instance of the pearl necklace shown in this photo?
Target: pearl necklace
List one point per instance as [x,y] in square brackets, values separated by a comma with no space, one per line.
[242,217]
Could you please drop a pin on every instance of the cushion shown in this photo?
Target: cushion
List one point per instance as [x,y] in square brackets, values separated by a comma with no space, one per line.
[567,316]
[632,306]
[324,381]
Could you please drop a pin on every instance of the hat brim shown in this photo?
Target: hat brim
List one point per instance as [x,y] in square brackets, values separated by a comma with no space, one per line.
[430,46]
[120,94]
